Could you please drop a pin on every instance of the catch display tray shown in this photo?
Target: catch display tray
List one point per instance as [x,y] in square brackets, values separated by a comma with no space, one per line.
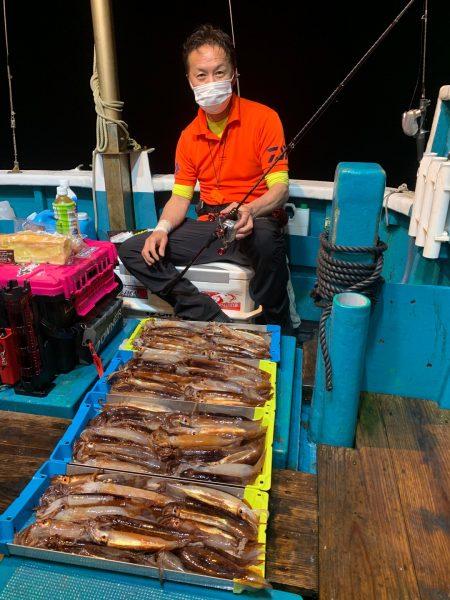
[271,331]
[20,514]
[85,281]
[101,390]
[90,408]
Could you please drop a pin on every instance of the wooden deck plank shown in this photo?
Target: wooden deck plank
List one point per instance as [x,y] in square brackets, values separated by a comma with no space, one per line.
[419,438]
[292,536]
[26,441]
[363,546]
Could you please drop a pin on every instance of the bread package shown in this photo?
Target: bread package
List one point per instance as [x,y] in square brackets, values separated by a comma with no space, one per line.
[35,247]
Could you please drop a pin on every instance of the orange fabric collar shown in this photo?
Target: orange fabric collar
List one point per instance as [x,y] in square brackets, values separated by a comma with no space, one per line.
[202,123]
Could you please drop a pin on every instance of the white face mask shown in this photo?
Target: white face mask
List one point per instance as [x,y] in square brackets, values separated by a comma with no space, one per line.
[213,97]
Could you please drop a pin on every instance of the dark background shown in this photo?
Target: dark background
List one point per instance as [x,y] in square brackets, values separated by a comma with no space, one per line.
[291,56]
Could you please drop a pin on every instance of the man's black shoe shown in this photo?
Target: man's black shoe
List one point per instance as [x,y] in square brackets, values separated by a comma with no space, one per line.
[221,317]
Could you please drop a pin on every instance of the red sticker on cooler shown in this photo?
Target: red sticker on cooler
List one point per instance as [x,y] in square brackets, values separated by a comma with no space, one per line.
[224,300]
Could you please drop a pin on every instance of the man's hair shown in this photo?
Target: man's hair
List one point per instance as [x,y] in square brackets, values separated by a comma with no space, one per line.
[211,36]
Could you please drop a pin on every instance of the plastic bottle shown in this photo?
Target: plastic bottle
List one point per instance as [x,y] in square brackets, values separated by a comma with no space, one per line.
[65,212]
[298,223]
[86,226]
[302,218]
[70,192]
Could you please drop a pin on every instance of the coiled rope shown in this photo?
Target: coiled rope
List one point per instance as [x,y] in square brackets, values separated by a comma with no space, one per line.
[335,276]
[103,120]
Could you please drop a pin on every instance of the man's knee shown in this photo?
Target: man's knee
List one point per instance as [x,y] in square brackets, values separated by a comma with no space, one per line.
[131,248]
[268,240]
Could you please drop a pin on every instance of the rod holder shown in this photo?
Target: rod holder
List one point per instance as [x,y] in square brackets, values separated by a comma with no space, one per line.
[334,413]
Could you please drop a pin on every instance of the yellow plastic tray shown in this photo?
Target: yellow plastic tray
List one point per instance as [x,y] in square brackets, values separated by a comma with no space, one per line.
[259,501]
[128,344]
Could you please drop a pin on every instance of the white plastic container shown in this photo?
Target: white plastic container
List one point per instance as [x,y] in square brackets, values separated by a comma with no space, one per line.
[298,224]
[6,210]
[226,283]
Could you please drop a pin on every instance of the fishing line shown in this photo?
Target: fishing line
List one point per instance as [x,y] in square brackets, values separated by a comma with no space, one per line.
[234,44]
[16,168]
[234,213]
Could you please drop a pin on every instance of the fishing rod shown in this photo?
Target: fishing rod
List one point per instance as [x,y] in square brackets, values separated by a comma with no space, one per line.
[225,230]
[413,120]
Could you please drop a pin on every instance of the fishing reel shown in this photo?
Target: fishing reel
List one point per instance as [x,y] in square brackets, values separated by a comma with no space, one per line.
[413,125]
[225,229]
[412,120]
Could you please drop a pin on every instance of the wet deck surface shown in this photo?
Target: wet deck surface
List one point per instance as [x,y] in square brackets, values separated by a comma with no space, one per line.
[384,527]
[385,507]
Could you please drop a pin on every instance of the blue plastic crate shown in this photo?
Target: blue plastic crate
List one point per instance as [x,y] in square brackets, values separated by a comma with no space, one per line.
[21,513]
[27,579]
[285,379]
[274,330]
[296,410]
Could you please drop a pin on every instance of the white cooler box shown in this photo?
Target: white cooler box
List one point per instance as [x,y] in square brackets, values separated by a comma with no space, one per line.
[226,283]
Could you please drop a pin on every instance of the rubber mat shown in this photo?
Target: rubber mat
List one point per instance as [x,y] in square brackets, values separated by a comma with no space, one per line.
[25,579]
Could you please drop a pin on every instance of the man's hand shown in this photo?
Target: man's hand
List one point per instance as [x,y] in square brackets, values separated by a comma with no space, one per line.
[244,225]
[154,247]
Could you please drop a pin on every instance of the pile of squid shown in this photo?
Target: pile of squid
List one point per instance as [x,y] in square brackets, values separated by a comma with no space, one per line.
[173,526]
[214,340]
[166,375]
[140,437]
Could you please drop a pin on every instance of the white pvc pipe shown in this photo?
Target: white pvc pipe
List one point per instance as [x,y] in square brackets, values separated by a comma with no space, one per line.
[430,186]
[418,195]
[439,211]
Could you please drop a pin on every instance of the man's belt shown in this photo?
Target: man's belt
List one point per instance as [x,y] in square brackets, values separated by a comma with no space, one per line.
[202,209]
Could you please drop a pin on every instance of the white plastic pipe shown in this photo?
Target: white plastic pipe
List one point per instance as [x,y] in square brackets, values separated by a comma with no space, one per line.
[439,211]
[430,186]
[418,195]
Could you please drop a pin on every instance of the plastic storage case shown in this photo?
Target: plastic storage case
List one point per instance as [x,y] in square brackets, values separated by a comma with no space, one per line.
[90,408]
[70,344]
[102,387]
[274,331]
[20,514]
[61,291]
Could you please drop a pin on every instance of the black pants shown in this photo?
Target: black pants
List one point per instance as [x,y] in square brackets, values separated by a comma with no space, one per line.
[264,250]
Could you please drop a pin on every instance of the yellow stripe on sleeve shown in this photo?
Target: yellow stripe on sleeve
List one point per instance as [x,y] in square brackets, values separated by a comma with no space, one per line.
[185,191]
[278,177]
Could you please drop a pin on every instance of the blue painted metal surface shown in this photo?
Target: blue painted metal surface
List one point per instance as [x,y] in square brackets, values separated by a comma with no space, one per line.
[285,379]
[357,201]
[102,215]
[28,199]
[144,210]
[334,413]
[296,412]
[408,349]
[441,141]
[307,462]
[63,399]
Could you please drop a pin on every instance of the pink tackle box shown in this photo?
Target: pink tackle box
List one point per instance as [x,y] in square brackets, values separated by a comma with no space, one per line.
[80,284]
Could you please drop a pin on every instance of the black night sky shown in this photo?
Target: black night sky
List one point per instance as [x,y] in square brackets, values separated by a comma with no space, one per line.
[291,56]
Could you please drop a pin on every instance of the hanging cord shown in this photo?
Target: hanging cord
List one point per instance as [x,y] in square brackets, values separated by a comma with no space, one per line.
[16,168]
[335,276]
[401,188]
[102,119]
[422,55]
[234,44]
